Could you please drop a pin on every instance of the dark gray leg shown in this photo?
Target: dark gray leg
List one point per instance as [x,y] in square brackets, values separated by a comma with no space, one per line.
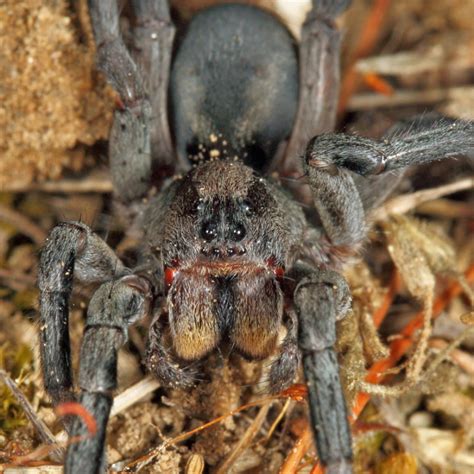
[113,308]
[444,139]
[330,160]
[70,250]
[319,302]
[375,189]
[129,141]
[319,79]
[153,36]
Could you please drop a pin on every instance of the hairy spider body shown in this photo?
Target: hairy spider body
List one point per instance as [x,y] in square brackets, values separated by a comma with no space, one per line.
[228,257]
[235,237]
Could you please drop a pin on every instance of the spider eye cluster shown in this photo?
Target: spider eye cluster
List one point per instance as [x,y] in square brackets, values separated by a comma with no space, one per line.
[209,231]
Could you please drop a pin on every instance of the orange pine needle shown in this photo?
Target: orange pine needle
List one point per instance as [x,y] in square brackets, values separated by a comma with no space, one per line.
[399,347]
[292,461]
[367,40]
[378,84]
[76,409]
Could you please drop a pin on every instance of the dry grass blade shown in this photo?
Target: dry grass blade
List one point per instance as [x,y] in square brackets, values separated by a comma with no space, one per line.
[407,202]
[245,441]
[89,184]
[402,98]
[44,432]
[459,357]
[43,469]
[134,394]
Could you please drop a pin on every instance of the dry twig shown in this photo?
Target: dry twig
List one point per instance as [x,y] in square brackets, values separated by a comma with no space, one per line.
[245,441]
[134,394]
[406,202]
[23,224]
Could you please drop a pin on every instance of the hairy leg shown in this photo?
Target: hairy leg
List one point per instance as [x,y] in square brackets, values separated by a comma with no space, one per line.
[153,36]
[319,79]
[71,250]
[129,141]
[320,298]
[285,367]
[113,308]
[333,161]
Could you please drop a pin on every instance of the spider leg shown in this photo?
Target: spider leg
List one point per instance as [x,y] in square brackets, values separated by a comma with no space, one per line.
[285,367]
[320,298]
[319,55]
[153,36]
[113,308]
[71,250]
[129,141]
[423,141]
[334,161]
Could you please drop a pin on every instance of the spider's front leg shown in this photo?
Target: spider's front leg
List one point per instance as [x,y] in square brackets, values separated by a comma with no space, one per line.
[113,308]
[422,141]
[71,250]
[320,298]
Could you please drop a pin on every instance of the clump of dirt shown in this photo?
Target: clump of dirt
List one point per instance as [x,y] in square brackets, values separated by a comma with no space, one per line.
[51,98]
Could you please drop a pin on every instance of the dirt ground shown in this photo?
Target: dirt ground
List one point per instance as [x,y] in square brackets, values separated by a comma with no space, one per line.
[55,113]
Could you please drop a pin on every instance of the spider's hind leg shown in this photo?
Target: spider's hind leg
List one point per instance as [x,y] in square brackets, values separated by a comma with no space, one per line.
[136,131]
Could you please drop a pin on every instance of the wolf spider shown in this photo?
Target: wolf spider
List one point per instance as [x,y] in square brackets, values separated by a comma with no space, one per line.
[228,257]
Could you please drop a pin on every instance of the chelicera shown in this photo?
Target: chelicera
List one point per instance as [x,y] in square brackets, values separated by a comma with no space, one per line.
[228,256]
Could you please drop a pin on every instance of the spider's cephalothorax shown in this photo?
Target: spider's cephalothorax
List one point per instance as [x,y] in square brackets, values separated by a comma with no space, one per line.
[225,240]
[221,242]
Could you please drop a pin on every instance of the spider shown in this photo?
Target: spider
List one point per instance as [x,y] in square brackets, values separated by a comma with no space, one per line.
[229,257]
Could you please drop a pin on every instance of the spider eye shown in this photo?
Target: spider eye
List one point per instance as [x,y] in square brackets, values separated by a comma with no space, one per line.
[209,231]
[238,232]
[247,207]
[200,205]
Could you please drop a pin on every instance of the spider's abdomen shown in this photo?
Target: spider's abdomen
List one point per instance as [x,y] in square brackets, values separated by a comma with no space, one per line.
[234,85]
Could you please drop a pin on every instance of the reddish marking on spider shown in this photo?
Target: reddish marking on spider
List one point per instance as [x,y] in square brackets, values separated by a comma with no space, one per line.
[119,103]
[170,273]
[278,270]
